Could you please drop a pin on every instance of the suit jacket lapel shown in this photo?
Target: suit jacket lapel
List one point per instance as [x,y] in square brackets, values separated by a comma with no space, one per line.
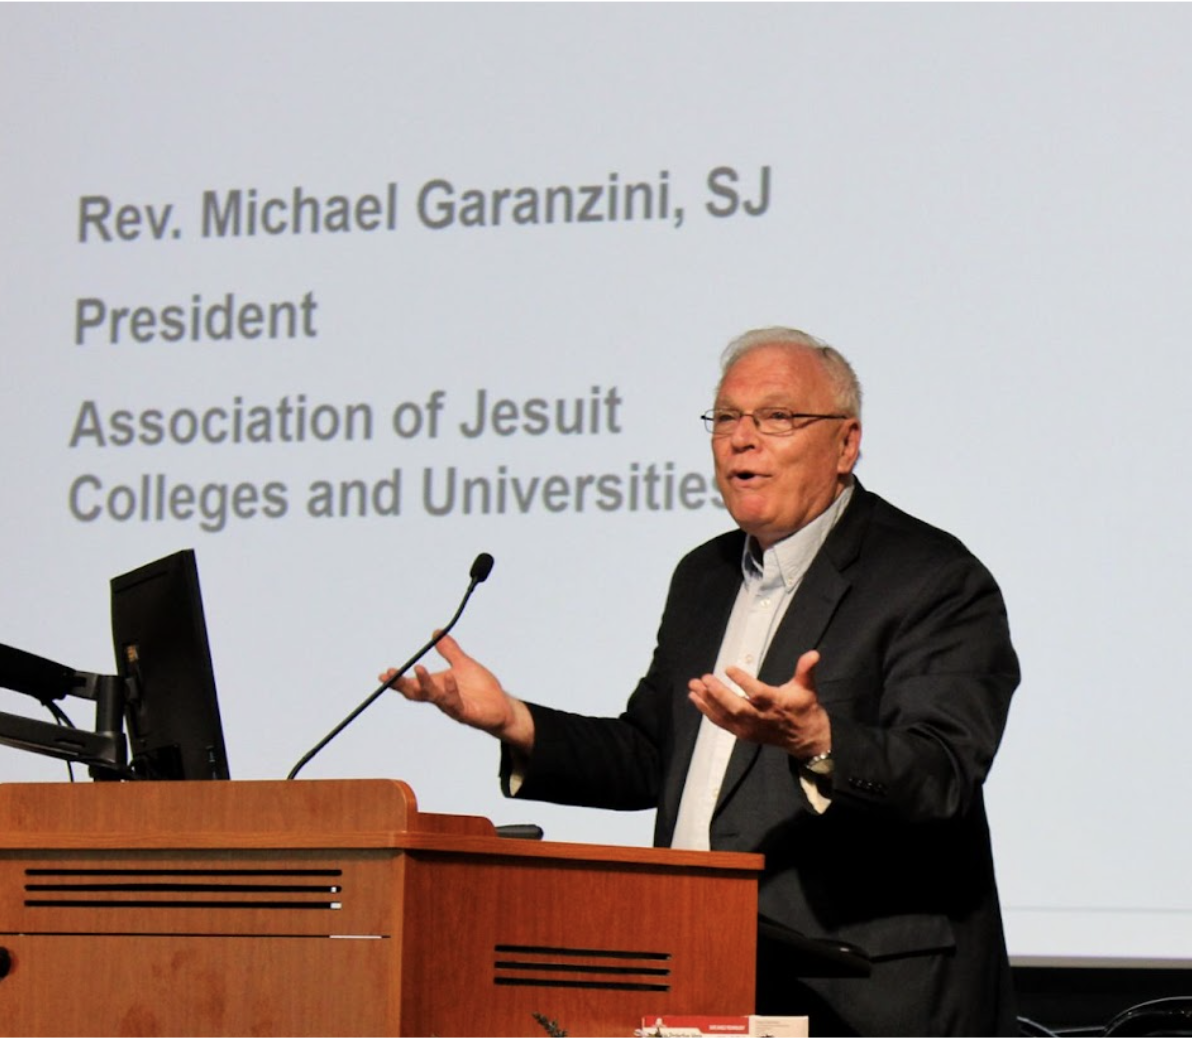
[815,602]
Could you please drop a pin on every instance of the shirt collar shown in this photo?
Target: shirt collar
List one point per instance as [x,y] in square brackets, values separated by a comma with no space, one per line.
[793,554]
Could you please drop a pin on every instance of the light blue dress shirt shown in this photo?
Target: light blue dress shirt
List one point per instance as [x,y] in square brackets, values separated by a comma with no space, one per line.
[769,582]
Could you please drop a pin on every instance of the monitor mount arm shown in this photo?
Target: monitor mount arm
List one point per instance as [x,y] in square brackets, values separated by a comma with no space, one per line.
[104,750]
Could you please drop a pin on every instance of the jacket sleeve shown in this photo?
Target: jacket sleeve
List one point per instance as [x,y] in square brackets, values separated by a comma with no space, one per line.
[622,763]
[916,727]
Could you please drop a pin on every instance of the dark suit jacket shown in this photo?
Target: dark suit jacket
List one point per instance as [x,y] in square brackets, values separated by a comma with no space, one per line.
[916,674]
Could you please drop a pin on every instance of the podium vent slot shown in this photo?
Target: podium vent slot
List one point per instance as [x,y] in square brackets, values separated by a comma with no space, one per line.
[282,889]
[603,969]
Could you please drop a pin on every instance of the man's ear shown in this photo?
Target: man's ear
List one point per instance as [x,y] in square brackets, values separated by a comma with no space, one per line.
[850,446]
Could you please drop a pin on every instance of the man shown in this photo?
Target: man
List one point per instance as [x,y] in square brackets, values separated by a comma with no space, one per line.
[829,687]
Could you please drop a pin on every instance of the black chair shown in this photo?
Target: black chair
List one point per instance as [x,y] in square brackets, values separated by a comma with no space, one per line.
[1161,1016]
[812,956]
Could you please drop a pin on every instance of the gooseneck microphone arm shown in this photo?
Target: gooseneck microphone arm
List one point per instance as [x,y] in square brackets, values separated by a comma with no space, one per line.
[481,568]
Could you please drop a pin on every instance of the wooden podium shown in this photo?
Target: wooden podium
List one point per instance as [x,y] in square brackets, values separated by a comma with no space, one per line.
[336,908]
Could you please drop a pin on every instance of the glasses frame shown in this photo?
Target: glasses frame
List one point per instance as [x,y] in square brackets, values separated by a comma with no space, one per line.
[709,420]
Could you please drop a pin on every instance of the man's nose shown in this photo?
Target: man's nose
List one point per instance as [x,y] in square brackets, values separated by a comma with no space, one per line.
[746,434]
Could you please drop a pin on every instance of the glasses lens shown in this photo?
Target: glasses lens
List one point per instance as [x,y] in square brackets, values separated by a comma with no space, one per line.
[774,421]
[720,422]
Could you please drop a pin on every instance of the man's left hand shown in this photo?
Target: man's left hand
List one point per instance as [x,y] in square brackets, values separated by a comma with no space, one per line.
[788,716]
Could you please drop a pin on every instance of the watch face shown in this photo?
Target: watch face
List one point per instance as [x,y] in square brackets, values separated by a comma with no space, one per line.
[821,765]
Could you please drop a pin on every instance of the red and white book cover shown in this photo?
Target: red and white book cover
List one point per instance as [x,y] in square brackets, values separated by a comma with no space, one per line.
[671,1025]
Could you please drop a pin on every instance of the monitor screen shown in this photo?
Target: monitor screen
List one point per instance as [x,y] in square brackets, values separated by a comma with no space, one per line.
[160,634]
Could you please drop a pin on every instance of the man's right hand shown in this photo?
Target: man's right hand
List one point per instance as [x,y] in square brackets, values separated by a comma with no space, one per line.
[471,694]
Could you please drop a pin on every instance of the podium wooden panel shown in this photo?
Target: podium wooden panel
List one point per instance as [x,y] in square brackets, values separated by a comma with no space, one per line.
[335,908]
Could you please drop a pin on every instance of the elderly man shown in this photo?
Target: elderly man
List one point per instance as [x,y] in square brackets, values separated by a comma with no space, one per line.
[829,687]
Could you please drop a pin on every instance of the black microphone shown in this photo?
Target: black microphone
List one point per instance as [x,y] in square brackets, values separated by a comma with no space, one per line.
[481,568]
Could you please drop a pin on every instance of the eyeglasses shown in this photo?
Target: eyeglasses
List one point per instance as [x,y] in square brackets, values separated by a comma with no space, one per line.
[770,421]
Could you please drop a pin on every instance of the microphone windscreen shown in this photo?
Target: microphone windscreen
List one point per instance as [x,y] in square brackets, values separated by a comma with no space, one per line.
[482,567]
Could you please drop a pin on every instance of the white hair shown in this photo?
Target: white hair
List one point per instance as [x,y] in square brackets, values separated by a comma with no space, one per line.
[846,388]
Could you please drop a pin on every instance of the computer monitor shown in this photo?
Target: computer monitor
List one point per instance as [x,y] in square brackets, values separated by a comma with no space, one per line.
[171,708]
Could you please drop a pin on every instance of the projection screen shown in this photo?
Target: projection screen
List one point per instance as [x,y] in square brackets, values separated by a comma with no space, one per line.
[340,296]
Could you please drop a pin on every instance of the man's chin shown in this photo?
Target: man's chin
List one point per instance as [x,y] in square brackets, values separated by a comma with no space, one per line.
[753,524]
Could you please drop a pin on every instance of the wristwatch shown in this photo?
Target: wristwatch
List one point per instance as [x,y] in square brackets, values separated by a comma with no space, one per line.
[820,764]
